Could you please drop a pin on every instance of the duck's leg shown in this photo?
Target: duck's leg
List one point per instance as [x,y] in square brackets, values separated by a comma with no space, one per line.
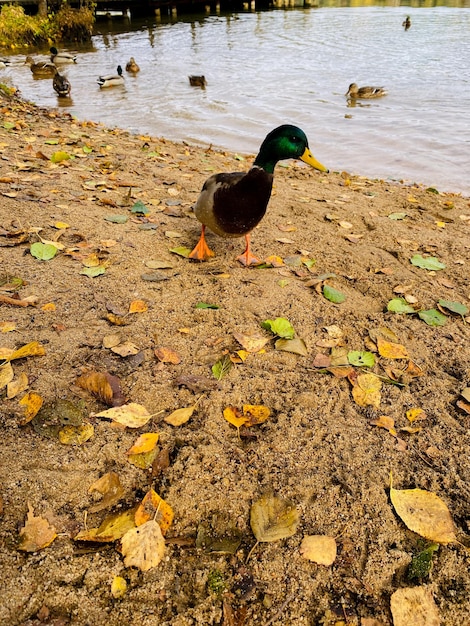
[247,258]
[201,251]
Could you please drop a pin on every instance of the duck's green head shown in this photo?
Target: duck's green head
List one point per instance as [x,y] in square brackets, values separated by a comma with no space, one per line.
[286,142]
[53,50]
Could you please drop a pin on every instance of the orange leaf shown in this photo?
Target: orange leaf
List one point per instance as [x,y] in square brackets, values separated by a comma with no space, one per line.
[234,416]
[385,422]
[255,414]
[391,350]
[36,534]
[145,443]
[154,507]
[138,306]
[366,391]
[33,402]
[166,355]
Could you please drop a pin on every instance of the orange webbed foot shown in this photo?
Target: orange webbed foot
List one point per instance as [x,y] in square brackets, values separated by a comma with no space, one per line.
[247,258]
[201,251]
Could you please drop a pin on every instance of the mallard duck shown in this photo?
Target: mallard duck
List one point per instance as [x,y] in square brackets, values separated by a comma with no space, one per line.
[41,68]
[132,66]
[62,57]
[365,92]
[197,81]
[61,85]
[4,63]
[112,80]
[232,204]
[406,23]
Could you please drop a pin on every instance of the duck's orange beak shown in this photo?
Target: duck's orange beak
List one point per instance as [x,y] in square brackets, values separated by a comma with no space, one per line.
[307,157]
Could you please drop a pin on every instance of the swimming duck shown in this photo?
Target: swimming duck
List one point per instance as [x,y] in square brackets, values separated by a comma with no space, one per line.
[365,92]
[197,81]
[61,85]
[41,68]
[62,57]
[232,204]
[4,63]
[112,80]
[132,66]
[406,23]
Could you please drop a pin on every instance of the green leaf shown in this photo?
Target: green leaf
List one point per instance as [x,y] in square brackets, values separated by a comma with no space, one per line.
[140,208]
[93,272]
[454,307]
[433,317]
[8,125]
[429,263]
[361,358]
[204,305]
[281,327]
[222,367]
[116,219]
[397,216]
[87,150]
[333,295]
[43,251]
[181,251]
[432,190]
[309,263]
[399,305]
[52,142]
[421,563]
[60,156]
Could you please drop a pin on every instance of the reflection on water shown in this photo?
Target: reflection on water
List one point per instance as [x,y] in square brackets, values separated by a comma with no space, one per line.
[267,68]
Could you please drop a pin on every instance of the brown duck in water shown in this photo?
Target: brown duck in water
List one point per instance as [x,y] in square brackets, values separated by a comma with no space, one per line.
[41,68]
[365,92]
[61,85]
[232,204]
[197,81]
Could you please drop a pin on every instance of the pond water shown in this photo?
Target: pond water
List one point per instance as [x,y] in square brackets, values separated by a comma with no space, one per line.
[289,66]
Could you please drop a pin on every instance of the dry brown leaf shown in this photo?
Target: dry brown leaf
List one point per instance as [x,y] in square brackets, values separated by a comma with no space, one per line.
[109,486]
[36,534]
[424,513]
[320,549]
[144,546]
[414,606]
[251,343]
[17,385]
[103,386]
[126,349]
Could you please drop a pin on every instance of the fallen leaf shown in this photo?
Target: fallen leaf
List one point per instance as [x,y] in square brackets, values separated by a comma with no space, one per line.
[234,416]
[125,349]
[414,606]
[222,367]
[138,306]
[109,486]
[415,414]
[76,435]
[113,527]
[333,295]
[384,421]
[255,414]
[167,355]
[132,415]
[143,547]
[273,518]
[30,349]
[433,317]
[320,549]
[145,443]
[428,263]
[32,402]
[42,251]
[103,386]
[281,327]
[17,385]
[366,390]
[154,507]
[36,534]
[295,345]
[118,587]
[391,350]
[424,513]
[7,327]
[251,343]
[6,374]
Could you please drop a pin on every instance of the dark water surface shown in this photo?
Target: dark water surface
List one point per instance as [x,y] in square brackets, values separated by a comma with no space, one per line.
[268,68]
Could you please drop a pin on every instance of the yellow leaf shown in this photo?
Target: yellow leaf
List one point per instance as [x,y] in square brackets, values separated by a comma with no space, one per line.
[272,518]
[441,224]
[76,435]
[424,513]
[275,261]
[61,225]
[7,327]
[118,587]
[384,421]
[154,507]
[255,414]
[138,306]
[30,349]
[320,549]
[243,354]
[180,416]
[17,385]
[50,306]
[33,402]
[126,349]
[234,417]
[145,443]
[92,260]
[109,486]
[414,606]
[366,390]
[412,199]
[132,415]
[6,374]
[391,350]
[415,414]
[113,527]
[251,343]
[144,546]
[36,534]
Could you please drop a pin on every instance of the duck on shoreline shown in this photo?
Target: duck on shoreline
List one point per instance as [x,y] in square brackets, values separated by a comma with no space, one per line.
[365,92]
[232,204]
